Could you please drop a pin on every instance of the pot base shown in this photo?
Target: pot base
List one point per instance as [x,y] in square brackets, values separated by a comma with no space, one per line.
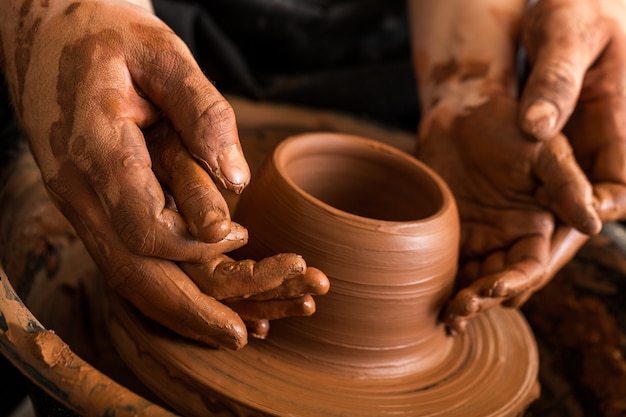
[491,370]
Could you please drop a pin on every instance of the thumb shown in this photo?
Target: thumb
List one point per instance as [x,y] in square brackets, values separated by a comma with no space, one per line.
[561,48]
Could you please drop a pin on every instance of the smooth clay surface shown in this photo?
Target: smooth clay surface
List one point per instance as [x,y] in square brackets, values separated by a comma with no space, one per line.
[385,230]
[382,226]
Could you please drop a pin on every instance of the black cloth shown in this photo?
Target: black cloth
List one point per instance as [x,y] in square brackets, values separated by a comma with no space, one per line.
[346,55]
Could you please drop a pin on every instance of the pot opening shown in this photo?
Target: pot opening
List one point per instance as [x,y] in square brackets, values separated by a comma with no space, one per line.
[367,182]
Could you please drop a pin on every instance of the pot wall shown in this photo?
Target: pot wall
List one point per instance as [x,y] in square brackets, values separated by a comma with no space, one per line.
[381,225]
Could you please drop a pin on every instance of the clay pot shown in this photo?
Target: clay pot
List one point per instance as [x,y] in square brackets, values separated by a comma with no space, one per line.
[383,227]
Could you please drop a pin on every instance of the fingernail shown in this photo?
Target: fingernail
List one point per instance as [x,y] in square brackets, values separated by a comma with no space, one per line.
[237,233]
[540,119]
[234,168]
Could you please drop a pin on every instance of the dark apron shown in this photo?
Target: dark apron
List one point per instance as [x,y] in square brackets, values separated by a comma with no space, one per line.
[346,55]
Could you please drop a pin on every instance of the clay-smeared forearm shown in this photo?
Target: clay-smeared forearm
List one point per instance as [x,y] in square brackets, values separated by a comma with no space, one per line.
[464,49]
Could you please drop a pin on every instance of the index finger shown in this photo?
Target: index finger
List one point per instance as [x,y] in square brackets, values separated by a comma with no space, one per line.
[197,198]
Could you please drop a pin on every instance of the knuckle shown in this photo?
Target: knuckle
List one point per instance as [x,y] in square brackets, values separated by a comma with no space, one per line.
[500,289]
[560,78]
[135,157]
[137,238]
[55,186]
[196,192]
[219,117]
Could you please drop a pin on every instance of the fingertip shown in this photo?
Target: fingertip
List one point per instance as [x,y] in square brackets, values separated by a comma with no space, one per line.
[223,327]
[586,220]
[233,337]
[234,170]
[320,282]
[259,329]
[499,289]
[458,311]
[593,223]
[467,303]
[455,325]
[307,305]
[539,119]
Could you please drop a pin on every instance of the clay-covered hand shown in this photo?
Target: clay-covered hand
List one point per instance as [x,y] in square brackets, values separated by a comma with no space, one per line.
[273,288]
[495,173]
[87,78]
[577,55]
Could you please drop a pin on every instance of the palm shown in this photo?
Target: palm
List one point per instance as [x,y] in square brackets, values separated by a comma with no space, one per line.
[500,178]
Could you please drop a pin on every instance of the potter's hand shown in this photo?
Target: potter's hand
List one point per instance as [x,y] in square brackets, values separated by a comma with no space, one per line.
[495,173]
[273,288]
[577,52]
[86,78]
[97,74]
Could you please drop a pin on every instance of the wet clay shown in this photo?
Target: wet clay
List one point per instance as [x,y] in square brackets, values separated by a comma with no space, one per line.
[64,376]
[384,228]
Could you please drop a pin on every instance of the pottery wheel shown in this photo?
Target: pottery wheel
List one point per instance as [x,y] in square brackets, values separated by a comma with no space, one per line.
[491,370]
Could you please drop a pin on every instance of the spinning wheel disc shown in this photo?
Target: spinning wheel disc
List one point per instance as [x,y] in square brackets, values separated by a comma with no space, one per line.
[490,370]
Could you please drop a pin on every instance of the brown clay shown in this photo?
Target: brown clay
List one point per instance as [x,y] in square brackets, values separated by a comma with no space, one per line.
[385,230]
[59,371]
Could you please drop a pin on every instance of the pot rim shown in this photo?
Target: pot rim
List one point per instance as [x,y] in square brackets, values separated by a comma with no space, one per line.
[294,146]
